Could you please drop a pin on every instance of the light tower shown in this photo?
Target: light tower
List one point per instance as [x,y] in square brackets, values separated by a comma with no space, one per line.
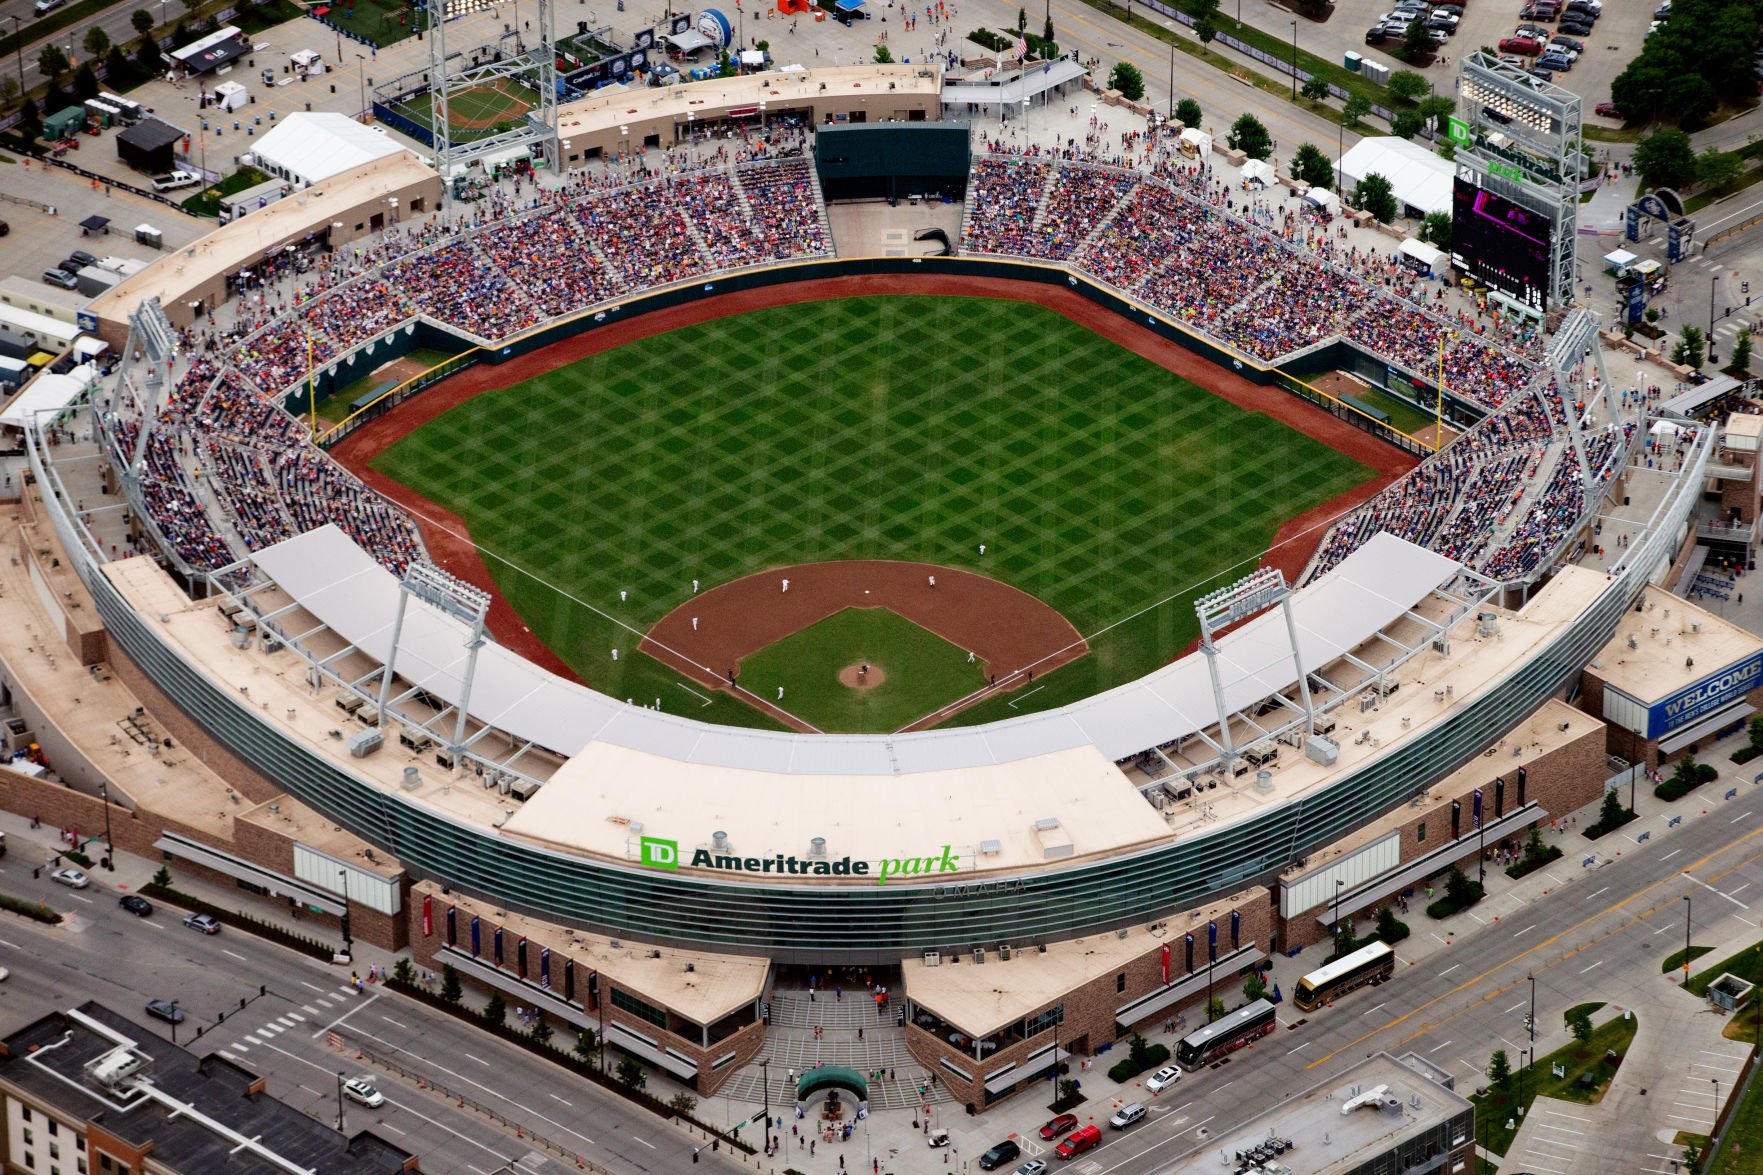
[510,56]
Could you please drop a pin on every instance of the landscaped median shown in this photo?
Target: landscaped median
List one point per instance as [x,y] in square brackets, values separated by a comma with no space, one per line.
[1588,1066]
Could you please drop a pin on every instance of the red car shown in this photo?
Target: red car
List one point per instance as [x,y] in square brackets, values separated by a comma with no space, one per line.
[1521,45]
[1063,1124]
[1608,110]
[1079,1142]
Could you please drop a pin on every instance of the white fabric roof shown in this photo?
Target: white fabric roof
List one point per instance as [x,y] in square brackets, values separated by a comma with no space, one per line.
[343,587]
[1259,169]
[47,391]
[311,148]
[1417,175]
[1036,80]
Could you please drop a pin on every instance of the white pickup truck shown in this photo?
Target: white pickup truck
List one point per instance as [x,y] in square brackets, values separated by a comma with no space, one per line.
[176,179]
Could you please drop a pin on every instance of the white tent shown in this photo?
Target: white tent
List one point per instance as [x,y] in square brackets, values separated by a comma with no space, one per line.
[1418,178]
[1423,258]
[1195,142]
[307,149]
[229,96]
[307,61]
[47,393]
[1620,258]
[1259,171]
[1325,200]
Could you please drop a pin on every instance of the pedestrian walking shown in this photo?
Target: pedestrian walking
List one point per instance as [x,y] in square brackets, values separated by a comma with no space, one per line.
[780,693]
[970,656]
[786,585]
[694,624]
[694,587]
[933,581]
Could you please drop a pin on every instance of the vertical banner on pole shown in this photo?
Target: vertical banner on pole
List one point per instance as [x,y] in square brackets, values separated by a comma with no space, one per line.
[1499,798]
[428,915]
[476,936]
[1165,964]
[1456,819]
[520,957]
[496,940]
[1212,942]
[569,980]
[1236,929]
[545,969]
[452,926]
[1189,969]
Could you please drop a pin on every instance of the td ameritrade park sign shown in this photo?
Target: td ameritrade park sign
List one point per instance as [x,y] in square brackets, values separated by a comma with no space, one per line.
[664,854]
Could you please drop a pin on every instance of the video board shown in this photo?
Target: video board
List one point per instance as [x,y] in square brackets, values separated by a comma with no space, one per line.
[1502,244]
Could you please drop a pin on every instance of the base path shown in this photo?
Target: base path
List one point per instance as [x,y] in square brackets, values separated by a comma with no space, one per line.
[449,543]
[1014,633]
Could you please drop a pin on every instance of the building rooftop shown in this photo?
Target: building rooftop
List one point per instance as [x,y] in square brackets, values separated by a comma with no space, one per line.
[1674,643]
[1326,1136]
[196,1114]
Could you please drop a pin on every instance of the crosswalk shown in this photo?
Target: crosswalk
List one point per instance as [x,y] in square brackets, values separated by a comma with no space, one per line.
[322,1008]
[1742,316]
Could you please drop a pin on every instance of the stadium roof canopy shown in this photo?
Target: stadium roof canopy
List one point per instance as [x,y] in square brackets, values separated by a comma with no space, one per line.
[1032,83]
[1418,178]
[347,591]
[308,149]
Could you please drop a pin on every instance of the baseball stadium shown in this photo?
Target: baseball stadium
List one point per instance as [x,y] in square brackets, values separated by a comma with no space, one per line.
[656,596]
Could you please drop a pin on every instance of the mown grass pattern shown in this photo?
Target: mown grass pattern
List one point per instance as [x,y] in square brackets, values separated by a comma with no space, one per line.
[910,428]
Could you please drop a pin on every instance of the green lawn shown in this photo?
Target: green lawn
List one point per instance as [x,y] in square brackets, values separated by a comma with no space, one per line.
[922,672]
[1742,1153]
[474,111]
[1673,962]
[384,22]
[1499,1106]
[334,407]
[1746,964]
[911,428]
[1404,416]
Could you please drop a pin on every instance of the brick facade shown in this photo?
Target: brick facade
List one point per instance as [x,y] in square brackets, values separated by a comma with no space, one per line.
[1089,1019]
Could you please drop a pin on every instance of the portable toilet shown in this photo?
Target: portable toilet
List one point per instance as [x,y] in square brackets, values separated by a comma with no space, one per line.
[1352,60]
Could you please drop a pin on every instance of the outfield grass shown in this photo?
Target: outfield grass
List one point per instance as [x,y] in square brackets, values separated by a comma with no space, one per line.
[468,110]
[923,672]
[911,428]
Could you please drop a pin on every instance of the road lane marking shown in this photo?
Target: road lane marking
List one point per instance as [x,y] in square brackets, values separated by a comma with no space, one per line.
[1594,966]
[394,1023]
[1305,1045]
[479,1060]
[1671,854]
[363,1004]
[1712,890]
[234,954]
[644,1141]
[564,1100]
[1447,1044]
[1449,969]
[312,986]
[1526,930]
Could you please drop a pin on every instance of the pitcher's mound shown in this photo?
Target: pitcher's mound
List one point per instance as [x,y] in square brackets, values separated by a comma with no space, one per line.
[854,677]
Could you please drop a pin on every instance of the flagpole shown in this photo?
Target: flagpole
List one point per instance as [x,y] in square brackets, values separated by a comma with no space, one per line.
[311,394]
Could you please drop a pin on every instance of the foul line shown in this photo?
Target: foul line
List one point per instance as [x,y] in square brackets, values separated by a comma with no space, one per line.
[1471,982]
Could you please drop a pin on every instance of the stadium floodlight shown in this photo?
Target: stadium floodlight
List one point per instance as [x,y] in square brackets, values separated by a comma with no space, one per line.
[1254,593]
[463,601]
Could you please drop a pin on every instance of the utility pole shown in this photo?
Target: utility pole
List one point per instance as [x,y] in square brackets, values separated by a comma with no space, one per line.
[765,1071]
[1294,61]
[109,844]
[1688,910]
[1713,285]
[340,1127]
[348,943]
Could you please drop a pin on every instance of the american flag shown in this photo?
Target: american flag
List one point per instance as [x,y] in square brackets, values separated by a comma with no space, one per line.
[1021,49]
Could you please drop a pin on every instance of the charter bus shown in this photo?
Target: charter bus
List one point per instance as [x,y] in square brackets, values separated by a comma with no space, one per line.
[1226,1034]
[1372,964]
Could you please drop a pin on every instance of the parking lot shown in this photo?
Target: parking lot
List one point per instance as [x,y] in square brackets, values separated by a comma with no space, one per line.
[39,240]
[1614,41]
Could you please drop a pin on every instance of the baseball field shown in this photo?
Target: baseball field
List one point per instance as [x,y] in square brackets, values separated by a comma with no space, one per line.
[475,111]
[977,435]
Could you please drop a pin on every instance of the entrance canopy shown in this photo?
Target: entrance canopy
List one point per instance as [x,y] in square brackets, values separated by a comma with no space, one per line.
[832,1077]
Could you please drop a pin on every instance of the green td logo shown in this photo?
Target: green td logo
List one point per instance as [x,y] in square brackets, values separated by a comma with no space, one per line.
[660,854]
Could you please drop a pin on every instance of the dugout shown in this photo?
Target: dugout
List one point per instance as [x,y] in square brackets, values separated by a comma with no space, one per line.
[888,160]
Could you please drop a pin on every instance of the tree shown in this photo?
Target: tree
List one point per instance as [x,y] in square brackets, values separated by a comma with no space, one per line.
[162,879]
[97,42]
[683,1104]
[450,990]
[148,57]
[541,1030]
[1534,848]
[1692,99]
[141,21]
[117,68]
[1459,890]
[1214,1009]
[1355,108]
[192,5]
[1499,1069]
[882,56]
[85,84]
[1435,108]
[1316,89]
[1741,361]
[1389,927]
[52,61]
[1250,137]
[1716,168]
[404,971]
[631,1074]
[1436,230]
[1312,166]
[1612,813]
[1692,1159]
[1407,124]
[1689,352]
[496,1011]
[1206,29]
[1126,78]
[587,1047]
[1254,987]
[1022,20]
[1375,196]
[1407,86]
[1187,112]
[8,89]
[1416,42]
[1047,31]
[1138,1049]
[1579,1022]
[1665,159]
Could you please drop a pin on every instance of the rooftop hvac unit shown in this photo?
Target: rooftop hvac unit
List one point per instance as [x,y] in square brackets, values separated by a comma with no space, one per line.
[506,786]
[979,956]
[990,848]
[933,959]
[1004,953]
[523,789]
[1261,754]
[817,847]
[1263,781]
[365,742]
[1487,623]
[241,637]
[1322,750]
[1367,701]
[116,1066]
[1442,646]
[1324,724]
[349,703]
[412,779]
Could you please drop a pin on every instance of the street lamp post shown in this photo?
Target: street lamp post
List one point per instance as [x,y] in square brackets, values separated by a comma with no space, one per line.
[1688,910]
[1713,285]
[1715,1129]
[1294,61]
[1171,75]
[109,844]
[1481,839]
[1339,885]
[174,1021]
[765,1070]
[340,1126]
[348,943]
[361,77]
[18,49]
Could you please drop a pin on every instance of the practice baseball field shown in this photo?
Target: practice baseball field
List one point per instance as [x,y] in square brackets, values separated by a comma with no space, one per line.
[915,429]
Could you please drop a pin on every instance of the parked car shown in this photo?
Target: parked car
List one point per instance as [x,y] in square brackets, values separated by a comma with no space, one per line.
[1534,31]
[175,179]
[1663,12]
[1375,35]
[1162,1079]
[204,922]
[5,229]
[1439,36]
[166,1010]
[1079,1141]
[937,1137]
[1455,10]
[1032,1167]
[1540,10]
[1556,61]
[137,905]
[1574,27]
[1541,75]
[1608,110]
[1526,46]
[361,1090]
[1126,1115]
[1439,20]
[47,6]
[1000,1154]
[72,877]
[62,278]
[1568,43]
[1579,10]
[1059,1127]
[84,258]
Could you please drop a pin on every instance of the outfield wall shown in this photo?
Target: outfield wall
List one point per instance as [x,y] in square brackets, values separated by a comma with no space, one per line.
[862,923]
